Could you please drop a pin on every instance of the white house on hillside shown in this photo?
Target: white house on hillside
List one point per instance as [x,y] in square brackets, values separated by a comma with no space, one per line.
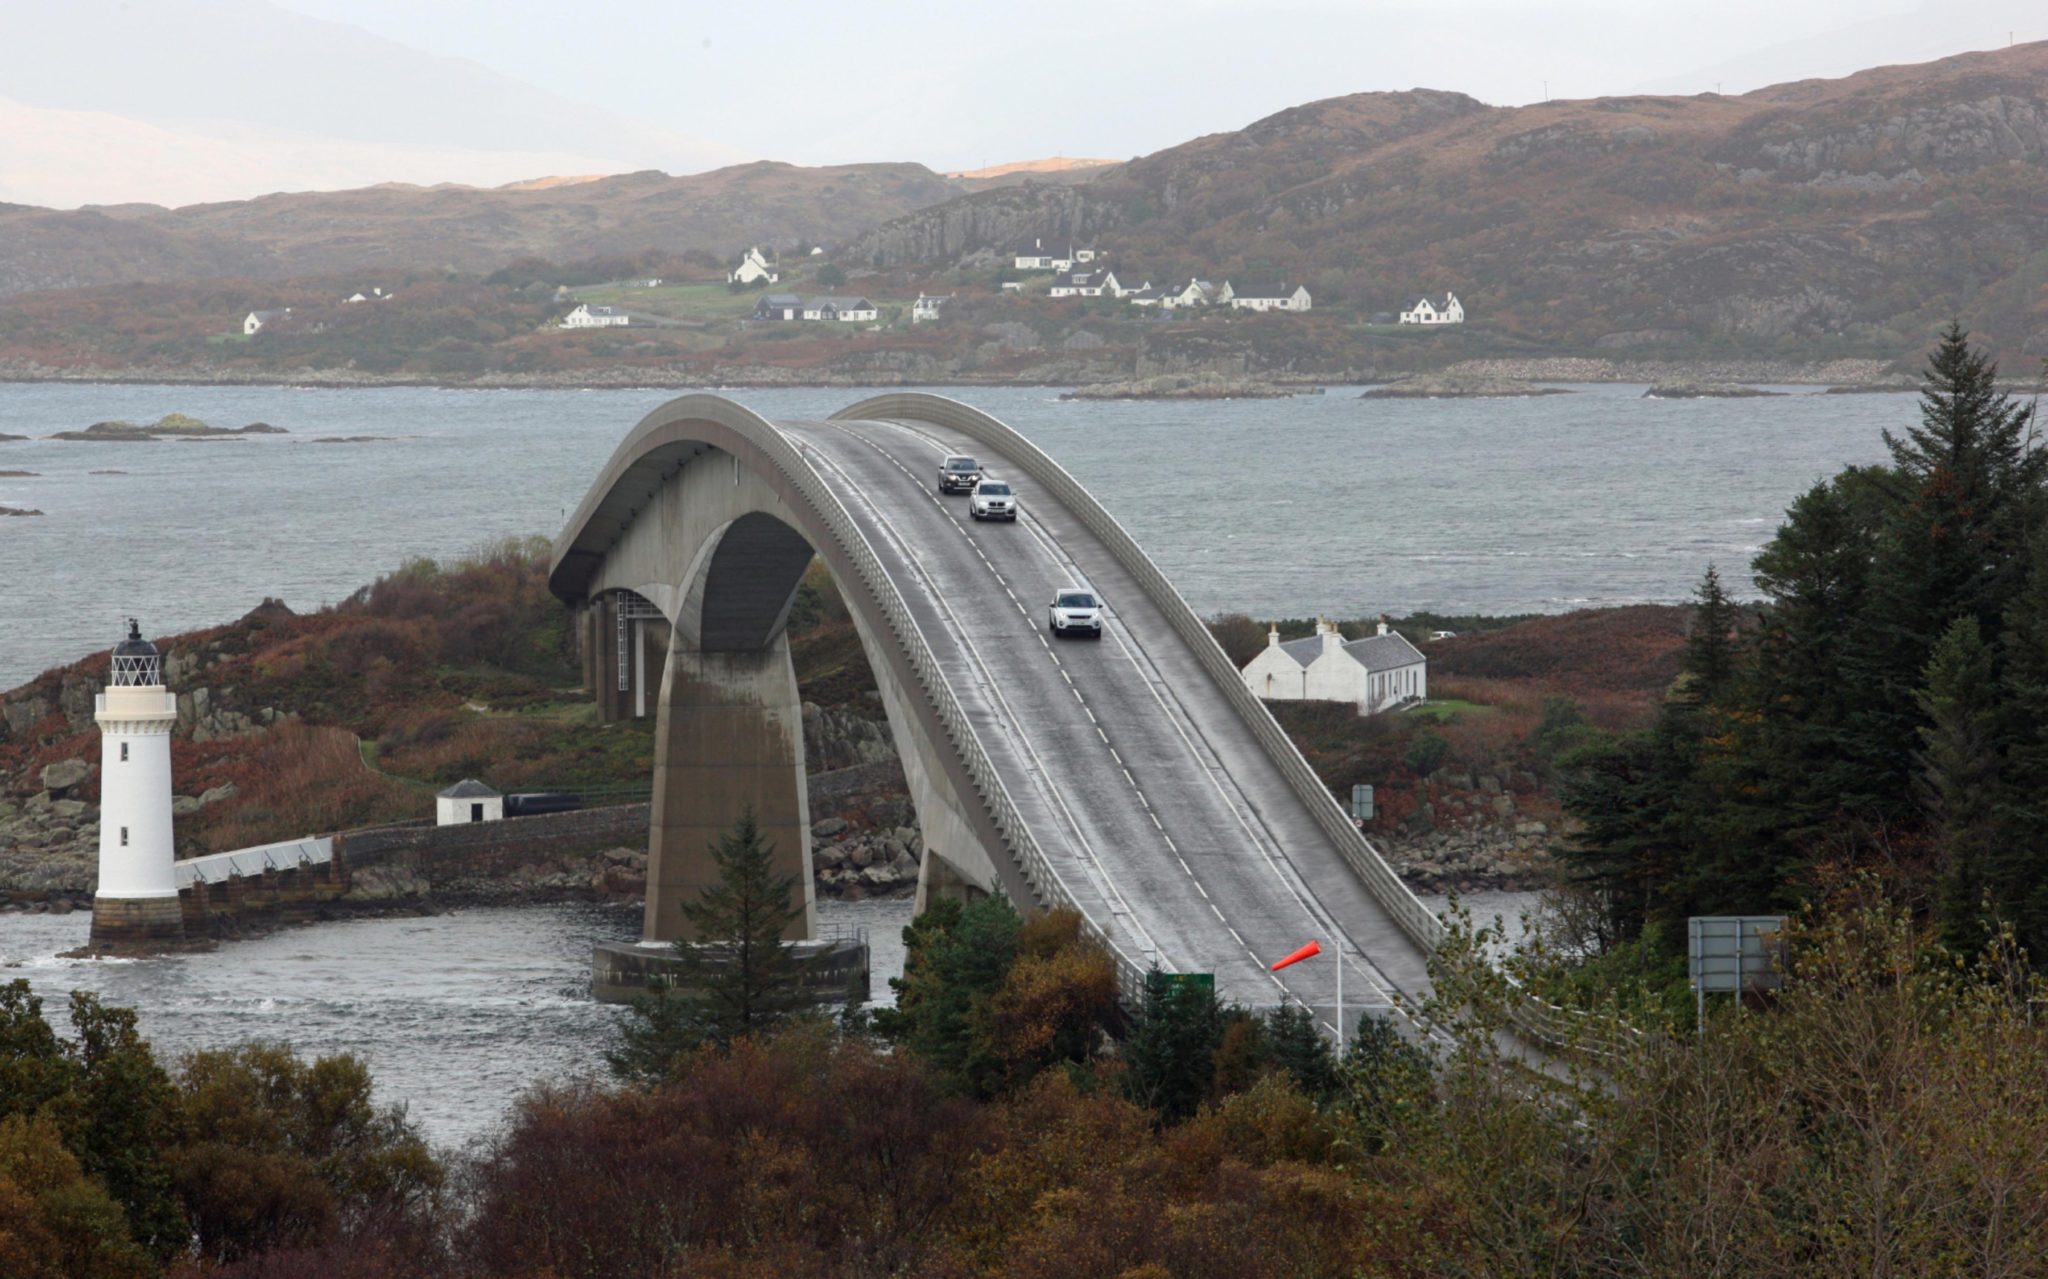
[1197,293]
[847,309]
[1086,283]
[1374,674]
[754,265]
[928,305]
[586,316]
[1451,312]
[253,323]
[1275,297]
[374,295]
[1035,256]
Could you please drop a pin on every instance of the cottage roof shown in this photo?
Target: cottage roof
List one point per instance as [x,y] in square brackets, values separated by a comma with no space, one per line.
[1375,653]
[841,303]
[1263,289]
[1085,278]
[469,788]
[266,317]
[780,299]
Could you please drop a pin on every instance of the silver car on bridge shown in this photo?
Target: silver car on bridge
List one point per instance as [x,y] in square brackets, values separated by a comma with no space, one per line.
[1075,610]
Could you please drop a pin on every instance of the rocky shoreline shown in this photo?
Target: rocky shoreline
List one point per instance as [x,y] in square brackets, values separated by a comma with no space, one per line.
[915,369]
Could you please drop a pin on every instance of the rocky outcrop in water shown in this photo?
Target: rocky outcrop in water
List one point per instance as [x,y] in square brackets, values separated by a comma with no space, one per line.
[1183,386]
[1705,391]
[1450,385]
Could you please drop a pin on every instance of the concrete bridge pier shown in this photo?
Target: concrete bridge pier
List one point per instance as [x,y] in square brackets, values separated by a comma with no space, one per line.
[729,733]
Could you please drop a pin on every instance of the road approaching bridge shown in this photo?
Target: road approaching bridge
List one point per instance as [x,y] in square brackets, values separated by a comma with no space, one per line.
[1134,778]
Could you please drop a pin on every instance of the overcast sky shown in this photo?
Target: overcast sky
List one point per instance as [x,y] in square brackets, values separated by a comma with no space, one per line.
[174,100]
[958,84]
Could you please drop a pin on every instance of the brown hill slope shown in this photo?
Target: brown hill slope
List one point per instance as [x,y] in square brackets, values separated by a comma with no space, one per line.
[469,229]
[1852,212]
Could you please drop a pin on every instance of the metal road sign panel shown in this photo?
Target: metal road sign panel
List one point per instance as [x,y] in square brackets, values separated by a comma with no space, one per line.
[1728,954]
[1361,802]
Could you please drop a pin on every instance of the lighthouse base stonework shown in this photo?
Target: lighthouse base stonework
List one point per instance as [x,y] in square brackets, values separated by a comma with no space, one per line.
[137,926]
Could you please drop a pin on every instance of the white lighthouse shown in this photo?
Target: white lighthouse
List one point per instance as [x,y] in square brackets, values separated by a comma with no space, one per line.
[136,907]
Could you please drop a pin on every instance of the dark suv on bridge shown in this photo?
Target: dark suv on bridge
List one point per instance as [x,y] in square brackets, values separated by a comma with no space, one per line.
[959,473]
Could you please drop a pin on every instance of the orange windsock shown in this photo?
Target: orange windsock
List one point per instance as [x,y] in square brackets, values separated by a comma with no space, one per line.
[1313,948]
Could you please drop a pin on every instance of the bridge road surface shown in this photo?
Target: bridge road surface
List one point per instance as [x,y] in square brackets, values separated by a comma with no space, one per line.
[1156,808]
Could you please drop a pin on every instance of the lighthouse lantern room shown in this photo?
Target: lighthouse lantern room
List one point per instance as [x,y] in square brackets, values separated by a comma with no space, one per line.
[136,907]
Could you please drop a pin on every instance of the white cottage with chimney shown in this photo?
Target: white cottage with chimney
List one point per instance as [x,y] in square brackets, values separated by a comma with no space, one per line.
[1426,312]
[1374,674]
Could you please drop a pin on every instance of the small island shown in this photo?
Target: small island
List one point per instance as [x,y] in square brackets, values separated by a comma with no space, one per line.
[350,439]
[5,438]
[1181,386]
[18,475]
[15,510]
[175,426]
[1705,391]
[1459,386]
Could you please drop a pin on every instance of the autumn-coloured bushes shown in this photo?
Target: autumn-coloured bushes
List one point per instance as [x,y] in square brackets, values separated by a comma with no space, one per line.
[297,779]
[1634,650]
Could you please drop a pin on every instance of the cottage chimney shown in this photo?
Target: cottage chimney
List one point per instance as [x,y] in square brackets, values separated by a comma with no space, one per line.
[1383,623]
[1332,638]
[1272,635]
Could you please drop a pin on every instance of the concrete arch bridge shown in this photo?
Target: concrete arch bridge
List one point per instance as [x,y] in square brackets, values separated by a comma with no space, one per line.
[1135,779]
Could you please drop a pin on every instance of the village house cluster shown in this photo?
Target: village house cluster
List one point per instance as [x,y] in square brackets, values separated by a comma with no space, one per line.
[1082,273]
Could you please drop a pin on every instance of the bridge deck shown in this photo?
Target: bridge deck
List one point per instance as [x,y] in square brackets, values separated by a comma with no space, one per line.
[1163,817]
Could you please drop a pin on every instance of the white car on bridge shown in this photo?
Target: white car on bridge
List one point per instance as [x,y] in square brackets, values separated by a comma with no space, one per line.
[992,500]
[1075,611]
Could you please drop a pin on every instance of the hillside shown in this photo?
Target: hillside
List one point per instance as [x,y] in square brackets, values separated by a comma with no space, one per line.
[1831,216]
[476,231]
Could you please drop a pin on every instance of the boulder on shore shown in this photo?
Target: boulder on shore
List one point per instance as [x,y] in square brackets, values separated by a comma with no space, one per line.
[64,774]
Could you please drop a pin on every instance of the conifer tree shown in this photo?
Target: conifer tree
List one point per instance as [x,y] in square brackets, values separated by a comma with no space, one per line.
[1171,1055]
[1967,489]
[1710,645]
[739,978]
[1957,774]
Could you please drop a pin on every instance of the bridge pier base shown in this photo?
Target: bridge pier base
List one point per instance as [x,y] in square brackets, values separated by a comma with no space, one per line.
[729,733]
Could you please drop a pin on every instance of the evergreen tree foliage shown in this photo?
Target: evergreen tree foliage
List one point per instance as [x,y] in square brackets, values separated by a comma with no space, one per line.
[1957,775]
[1710,644]
[1295,1044]
[739,978]
[2016,867]
[1863,718]
[1170,1058]
[955,960]
[1966,492]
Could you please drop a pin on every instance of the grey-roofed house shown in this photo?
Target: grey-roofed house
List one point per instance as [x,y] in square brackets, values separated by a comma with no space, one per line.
[840,308]
[1379,672]
[1269,297]
[468,800]
[779,306]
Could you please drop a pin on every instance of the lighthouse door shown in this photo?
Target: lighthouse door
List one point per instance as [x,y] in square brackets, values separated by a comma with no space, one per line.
[476,812]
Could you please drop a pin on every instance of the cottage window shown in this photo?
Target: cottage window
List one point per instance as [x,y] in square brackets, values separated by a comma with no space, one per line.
[124,752]
[124,837]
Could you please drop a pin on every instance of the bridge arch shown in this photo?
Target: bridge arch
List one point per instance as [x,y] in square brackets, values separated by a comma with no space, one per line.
[708,512]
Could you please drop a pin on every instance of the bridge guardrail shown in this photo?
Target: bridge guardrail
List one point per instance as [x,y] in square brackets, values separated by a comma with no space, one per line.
[1540,1020]
[1003,812]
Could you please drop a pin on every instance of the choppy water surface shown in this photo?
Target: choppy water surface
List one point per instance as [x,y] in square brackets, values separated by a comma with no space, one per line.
[1318,503]
[455,1013]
